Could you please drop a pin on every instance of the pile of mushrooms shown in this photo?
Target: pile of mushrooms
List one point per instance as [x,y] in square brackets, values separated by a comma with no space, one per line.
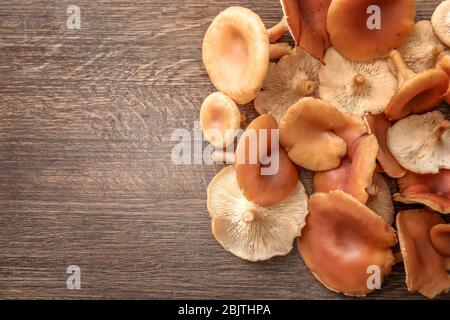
[353,103]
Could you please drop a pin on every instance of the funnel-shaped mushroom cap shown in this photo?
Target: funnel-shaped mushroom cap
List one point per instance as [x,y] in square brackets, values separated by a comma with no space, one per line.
[306,134]
[236,53]
[358,88]
[295,76]
[379,126]
[417,93]
[255,153]
[380,200]
[440,238]
[422,49]
[350,33]
[307,23]
[220,119]
[249,231]
[441,22]
[342,239]
[432,190]
[425,267]
[421,143]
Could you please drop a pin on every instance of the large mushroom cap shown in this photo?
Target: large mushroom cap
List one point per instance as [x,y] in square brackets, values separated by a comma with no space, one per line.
[380,201]
[295,76]
[306,134]
[432,190]
[342,239]
[440,238]
[441,22]
[358,88]
[252,153]
[350,35]
[236,53]
[220,119]
[247,230]
[421,143]
[425,267]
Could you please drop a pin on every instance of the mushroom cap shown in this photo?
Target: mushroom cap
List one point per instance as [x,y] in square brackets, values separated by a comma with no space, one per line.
[379,126]
[381,201]
[432,190]
[425,267]
[220,119]
[358,88]
[441,23]
[307,23]
[247,230]
[236,53]
[422,49]
[306,134]
[341,239]
[264,190]
[350,35]
[421,143]
[295,76]
[440,238]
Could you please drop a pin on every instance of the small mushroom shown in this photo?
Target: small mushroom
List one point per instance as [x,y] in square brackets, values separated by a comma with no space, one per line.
[425,267]
[358,88]
[379,126]
[254,153]
[417,93]
[441,23]
[306,132]
[295,76]
[220,119]
[380,198]
[421,143]
[422,49]
[236,53]
[342,239]
[440,238]
[350,33]
[247,230]
[432,190]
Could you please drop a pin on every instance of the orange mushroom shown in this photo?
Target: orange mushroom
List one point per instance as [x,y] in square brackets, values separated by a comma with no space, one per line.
[380,200]
[440,238]
[425,267]
[444,64]
[351,35]
[342,240]
[257,150]
[417,93]
[432,190]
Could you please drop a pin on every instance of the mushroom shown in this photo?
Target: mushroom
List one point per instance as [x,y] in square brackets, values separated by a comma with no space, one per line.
[380,199]
[443,64]
[278,31]
[342,239]
[236,53]
[247,230]
[257,150]
[279,50]
[295,76]
[422,49]
[440,238]
[417,93]
[306,20]
[306,132]
[220,119]
[379,126]
[421,143]
[425,267]
[432,190]
[441,23]
[351,35]
[358,88]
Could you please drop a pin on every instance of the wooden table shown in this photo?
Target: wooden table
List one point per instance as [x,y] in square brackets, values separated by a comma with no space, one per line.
[86,178]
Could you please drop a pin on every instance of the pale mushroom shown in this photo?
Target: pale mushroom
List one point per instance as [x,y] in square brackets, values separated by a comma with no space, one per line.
[422,49]
[342,240]
[249,231]
[236,53]
[440,238]
[358,88]
[351,35]
[421,143]
[425,267]
[380,199]
[295,76]
[441,22]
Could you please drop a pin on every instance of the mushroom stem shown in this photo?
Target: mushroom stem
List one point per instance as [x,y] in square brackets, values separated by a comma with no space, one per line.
[249,216]
[358,79]
[439,131]
[278,50]
[305,87]
[401,69]
[372,190]
[221,156]
[278,31]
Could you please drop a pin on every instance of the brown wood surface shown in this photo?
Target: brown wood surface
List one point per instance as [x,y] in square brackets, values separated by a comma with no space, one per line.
[85,171]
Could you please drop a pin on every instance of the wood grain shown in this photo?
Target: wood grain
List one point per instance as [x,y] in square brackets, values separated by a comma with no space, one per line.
[86,118]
